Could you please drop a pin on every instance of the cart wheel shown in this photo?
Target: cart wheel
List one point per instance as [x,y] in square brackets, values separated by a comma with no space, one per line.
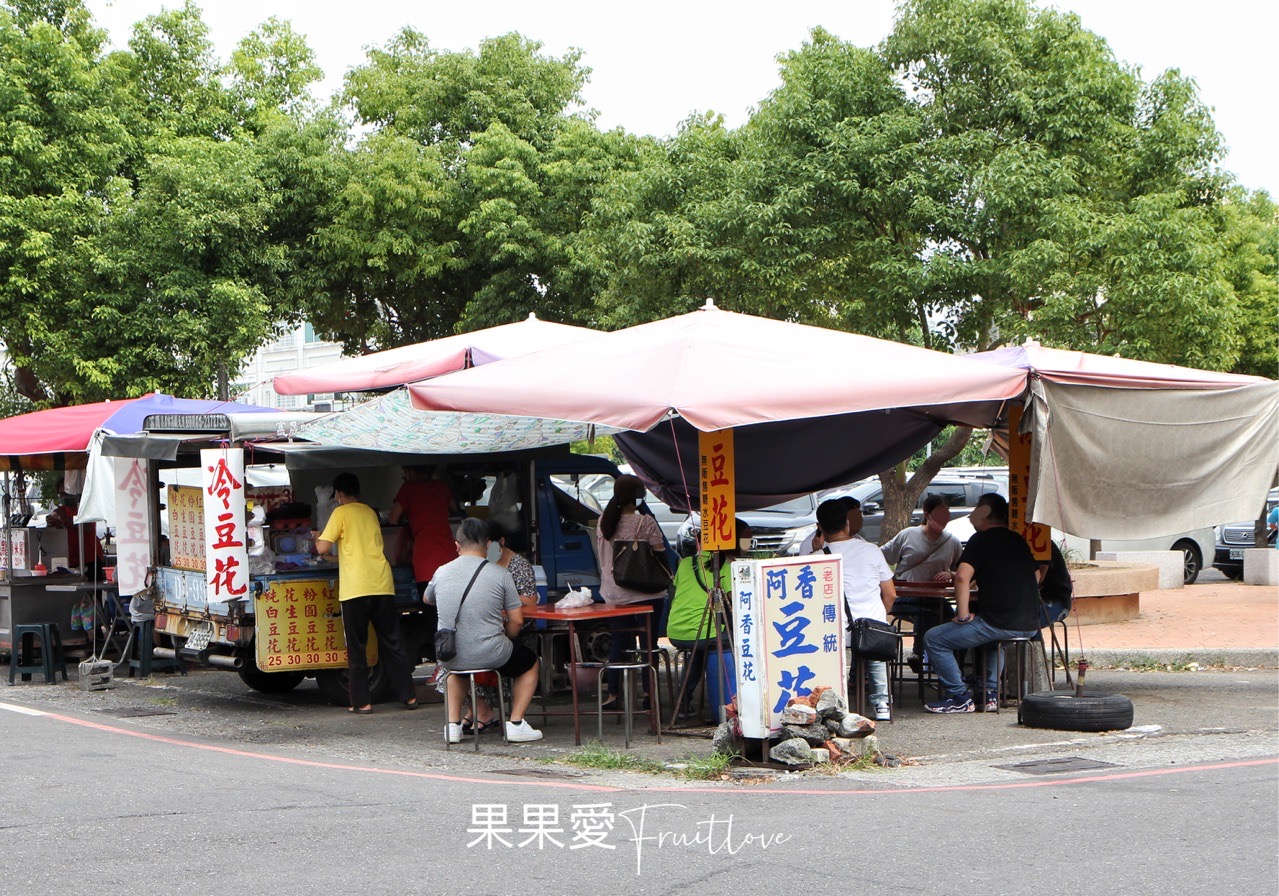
[268,682]
[1063,711]
[335,684]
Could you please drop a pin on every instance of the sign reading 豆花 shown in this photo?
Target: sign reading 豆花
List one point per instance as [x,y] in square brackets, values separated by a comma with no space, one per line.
[788,619]
[225,529]
[133,524]
[719,498]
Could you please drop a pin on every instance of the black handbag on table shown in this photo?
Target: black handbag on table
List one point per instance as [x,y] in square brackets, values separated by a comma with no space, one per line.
[638,567]
[446,638]
[875,640]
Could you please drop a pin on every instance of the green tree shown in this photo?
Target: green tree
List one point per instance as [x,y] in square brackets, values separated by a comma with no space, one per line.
[60,146]
[462,205]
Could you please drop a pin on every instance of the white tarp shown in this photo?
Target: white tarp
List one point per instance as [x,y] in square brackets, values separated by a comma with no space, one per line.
[1142,463]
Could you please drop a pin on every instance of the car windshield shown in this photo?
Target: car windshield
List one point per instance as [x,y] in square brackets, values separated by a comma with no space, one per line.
[801,504]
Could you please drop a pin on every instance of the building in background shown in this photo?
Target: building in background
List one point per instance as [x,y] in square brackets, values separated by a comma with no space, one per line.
[296,349]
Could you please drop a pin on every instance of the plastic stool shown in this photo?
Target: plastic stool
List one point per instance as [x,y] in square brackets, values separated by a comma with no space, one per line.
[475,729]
[52,659]
[628,688]
[1020,644]
[145,662]
[1060,648]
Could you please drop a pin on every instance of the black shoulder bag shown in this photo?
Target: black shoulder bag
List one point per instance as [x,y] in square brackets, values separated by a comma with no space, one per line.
[446,638]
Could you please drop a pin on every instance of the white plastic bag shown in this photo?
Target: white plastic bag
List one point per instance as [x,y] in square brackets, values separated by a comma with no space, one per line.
[325,503]
[575,598]
[504,501]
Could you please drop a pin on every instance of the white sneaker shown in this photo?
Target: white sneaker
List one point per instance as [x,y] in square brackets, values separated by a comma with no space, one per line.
[521,732]
[882,713]
[453,731]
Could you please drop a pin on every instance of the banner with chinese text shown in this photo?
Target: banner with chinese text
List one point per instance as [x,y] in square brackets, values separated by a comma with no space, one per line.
[185,506]
[718,493]
[133,524]
[788,619]
[1037,536]
[299,626]
[225,529]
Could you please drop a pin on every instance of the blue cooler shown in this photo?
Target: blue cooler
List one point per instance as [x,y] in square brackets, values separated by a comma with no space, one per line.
[712,679]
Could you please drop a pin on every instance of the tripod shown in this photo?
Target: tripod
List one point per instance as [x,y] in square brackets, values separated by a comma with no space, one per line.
[715,621]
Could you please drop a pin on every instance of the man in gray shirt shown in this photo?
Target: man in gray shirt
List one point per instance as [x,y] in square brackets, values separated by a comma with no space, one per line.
[924,553]
[490,617]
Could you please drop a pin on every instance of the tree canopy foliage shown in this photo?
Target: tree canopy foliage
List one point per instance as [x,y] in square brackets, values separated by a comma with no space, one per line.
[990,171]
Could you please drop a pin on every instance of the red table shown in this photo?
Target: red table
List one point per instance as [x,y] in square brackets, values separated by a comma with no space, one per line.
[574,615]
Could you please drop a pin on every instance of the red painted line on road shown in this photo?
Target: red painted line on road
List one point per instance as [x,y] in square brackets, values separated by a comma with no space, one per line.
[566,785]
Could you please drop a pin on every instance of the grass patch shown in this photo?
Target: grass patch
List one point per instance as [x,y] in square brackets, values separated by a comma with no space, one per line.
[696,768]
[163,701]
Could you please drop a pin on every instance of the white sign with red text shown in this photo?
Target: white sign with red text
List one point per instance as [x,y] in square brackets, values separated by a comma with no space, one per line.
[133,524]
[225,528]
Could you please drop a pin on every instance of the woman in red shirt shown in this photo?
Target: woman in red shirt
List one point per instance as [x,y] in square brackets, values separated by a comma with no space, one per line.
[426,502]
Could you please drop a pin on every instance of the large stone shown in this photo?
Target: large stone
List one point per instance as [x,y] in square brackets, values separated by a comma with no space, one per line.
[849,749]
[799,714]
[850,725]
[793,751]
[725,738]
[1261,566]
[1106,591]
[830,704]
[815,735]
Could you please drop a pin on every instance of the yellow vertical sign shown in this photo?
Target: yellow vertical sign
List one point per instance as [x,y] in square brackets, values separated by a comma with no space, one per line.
[186,527]
[1038,536]
[719,501]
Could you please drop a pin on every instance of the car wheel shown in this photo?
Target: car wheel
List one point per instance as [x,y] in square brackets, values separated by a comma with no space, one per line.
[1063,711]
[1193,560]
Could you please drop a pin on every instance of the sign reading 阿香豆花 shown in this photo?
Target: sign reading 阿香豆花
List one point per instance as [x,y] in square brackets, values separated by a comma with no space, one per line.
[788,620]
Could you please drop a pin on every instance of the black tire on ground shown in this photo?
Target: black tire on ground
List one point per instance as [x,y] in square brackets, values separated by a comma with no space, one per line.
[1233,575]
[1063,711]
[269,682]
[1194,560]
[335,685]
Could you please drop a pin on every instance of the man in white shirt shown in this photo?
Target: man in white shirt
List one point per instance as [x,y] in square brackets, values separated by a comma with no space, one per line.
[868,584]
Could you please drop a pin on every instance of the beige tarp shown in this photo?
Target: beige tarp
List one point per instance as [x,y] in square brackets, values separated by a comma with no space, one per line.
[1141,463]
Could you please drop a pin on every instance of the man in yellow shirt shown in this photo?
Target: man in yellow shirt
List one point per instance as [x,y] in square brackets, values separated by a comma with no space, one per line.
[367,594]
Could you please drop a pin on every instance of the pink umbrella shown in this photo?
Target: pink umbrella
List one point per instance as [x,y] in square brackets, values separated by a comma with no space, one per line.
[718,369]
[410,363]
[1085,368]
[812,408]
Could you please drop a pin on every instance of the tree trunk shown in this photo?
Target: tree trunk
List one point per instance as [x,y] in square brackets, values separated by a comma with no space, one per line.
[901,495]
[224,384]
[27,385]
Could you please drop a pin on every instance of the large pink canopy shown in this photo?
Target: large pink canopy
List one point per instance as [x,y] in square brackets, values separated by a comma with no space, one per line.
[1084,368]
[718,369]
[410,363]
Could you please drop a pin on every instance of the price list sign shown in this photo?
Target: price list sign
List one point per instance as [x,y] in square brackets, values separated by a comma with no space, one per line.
[299,626]
[186,527]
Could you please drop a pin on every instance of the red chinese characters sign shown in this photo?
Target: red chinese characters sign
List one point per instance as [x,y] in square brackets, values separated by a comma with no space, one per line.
[719,497]
[1037,536]
[298,626]
[133,524]
[225,530]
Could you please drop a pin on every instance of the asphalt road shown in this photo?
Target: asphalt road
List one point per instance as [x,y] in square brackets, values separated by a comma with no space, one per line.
[94,804]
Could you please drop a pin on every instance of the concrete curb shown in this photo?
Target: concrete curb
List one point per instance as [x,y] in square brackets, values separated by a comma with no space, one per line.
[1240,657]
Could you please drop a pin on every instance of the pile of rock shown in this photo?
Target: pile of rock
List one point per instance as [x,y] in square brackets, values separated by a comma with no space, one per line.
[815,728]
[819,728]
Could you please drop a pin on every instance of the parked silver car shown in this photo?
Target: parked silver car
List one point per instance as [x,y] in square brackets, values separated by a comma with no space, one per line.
[1234,538]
